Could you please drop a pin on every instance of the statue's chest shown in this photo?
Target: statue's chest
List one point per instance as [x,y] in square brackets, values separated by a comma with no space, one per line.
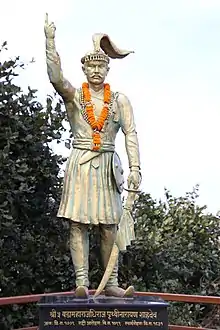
[97,108]
[98,105]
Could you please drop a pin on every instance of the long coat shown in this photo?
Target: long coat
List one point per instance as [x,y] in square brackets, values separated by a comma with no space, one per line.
[90,194]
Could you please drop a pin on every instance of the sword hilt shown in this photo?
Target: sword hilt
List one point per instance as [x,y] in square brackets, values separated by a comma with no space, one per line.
[132,190]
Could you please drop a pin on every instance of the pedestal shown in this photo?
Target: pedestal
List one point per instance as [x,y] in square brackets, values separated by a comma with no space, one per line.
[68,312]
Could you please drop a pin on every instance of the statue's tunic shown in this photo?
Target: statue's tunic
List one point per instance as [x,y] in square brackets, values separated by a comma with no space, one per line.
[90,193]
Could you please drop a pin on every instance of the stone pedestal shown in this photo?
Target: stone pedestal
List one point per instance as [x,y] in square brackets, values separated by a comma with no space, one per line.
[67,312]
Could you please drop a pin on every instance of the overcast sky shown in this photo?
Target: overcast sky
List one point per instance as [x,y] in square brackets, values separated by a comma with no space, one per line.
[172,79]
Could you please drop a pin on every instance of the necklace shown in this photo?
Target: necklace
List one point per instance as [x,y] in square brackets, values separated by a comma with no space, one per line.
[98,124]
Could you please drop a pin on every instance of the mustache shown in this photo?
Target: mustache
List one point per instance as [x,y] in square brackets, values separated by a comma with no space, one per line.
[96,75]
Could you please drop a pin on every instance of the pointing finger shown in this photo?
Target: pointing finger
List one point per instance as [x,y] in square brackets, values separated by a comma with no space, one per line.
[46,18]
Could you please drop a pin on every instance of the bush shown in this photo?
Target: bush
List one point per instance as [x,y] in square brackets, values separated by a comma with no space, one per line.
[176,250]
[34,255]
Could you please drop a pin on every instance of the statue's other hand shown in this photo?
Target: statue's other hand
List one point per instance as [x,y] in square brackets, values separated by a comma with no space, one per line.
[49,28]
[134,180]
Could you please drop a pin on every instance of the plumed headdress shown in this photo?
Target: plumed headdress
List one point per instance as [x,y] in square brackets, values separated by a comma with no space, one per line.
[104,49]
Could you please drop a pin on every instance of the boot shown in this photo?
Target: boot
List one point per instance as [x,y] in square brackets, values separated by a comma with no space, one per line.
[112,288]
[79,248]
[82,292]
[115,291]
[108,235]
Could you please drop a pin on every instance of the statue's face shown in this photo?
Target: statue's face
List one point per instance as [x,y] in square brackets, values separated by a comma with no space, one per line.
[96,71]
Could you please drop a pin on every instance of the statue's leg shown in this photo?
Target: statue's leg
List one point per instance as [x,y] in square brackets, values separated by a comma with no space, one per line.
[79,247]
[108,235]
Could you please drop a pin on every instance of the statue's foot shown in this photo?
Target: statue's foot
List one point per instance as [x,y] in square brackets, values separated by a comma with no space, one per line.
[82,292]
[115,291]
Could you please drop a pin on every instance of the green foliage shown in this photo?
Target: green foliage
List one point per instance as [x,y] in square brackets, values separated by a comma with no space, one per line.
[177,244]
[32,239]
[176,250]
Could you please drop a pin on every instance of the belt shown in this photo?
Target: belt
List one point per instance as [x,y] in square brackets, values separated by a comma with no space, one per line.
[87,144]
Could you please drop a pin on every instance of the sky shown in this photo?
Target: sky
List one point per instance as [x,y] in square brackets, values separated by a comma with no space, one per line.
[172,79]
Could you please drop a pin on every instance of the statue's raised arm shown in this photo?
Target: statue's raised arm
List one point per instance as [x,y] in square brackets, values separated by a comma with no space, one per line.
[54,70]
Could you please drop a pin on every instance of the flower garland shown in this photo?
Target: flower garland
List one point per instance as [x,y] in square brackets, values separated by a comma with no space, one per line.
[98,124]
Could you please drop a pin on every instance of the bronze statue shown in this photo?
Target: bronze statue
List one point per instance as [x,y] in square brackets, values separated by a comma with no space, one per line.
[93,180]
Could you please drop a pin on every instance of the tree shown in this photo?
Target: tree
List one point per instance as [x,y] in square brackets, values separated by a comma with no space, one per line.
[176,250]
[32,240]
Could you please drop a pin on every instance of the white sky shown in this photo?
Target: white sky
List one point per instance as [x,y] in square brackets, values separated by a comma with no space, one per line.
[172,80]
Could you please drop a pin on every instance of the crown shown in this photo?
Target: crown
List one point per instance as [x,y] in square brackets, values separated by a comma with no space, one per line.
[95,56]
[104,49]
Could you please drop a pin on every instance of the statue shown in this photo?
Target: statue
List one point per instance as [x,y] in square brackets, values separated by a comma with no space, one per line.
[93,180]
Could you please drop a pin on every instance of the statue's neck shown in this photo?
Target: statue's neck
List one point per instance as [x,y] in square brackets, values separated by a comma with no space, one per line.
[96,88]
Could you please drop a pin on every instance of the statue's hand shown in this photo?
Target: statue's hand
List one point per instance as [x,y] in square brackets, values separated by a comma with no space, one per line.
[134,179]
[49,28]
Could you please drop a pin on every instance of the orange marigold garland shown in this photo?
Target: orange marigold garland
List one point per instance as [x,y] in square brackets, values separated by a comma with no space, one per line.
[98,124]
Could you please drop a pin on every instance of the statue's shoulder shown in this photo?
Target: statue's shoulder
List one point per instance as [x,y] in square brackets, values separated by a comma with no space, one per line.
[121,97]
[79,90]
[78,94]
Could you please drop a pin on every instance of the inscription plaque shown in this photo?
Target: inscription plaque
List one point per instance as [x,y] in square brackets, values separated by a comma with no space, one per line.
[66,312]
